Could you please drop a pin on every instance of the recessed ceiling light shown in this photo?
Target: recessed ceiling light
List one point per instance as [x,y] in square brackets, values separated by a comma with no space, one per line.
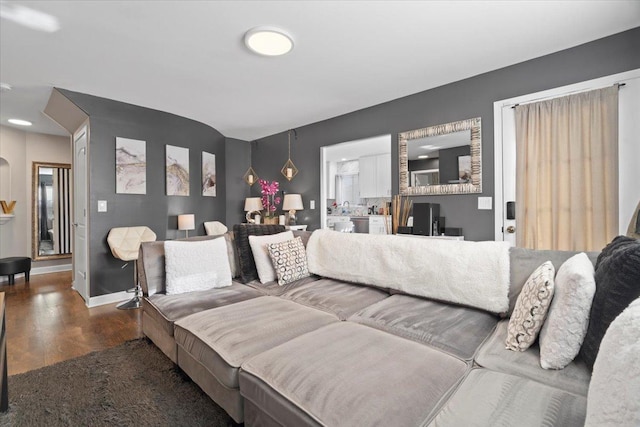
[268,41]
[20,122]
[423,156]
[5,87]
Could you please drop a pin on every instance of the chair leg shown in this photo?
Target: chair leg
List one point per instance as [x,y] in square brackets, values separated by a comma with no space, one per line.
[136,301]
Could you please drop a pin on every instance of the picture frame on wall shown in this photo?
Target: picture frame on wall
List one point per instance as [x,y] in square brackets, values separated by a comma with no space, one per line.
[208,174]
[464,169]
[177,170]
[131,166]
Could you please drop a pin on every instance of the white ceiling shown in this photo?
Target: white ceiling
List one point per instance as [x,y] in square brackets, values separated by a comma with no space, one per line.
[187,57]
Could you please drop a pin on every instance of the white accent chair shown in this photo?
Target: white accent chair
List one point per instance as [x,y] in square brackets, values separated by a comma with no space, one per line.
[215,228]
[125,245]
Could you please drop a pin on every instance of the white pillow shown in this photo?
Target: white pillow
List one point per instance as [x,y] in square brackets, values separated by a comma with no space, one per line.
[566,325]
[614,391]
[196,266]
[266,272]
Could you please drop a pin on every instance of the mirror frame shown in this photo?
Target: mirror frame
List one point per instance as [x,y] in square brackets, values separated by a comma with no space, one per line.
[475,186]
[35,255]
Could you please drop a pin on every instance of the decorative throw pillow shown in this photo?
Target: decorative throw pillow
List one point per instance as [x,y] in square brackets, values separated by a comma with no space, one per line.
[289,260]
[615,382]
[241,232]
[566,325]
[531,308]
[196,265]
[258,244]
[617,284]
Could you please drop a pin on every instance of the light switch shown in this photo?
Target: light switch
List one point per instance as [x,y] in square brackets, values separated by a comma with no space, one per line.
[102,205]
[484,203]
[312,204]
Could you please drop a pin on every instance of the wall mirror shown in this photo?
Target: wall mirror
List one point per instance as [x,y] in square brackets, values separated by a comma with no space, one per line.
[51,204]
[442,159]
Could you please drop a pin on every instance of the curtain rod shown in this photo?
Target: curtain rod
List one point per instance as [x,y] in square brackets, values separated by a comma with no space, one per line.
[618,85]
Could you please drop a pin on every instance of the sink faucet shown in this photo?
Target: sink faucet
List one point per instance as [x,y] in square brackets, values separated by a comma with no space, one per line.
[345,203]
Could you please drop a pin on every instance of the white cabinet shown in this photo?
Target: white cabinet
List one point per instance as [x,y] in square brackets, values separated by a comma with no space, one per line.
[375,176]
[383,174]
[376,224]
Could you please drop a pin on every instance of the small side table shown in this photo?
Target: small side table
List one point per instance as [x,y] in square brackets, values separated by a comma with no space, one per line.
[296,227]
[14,265]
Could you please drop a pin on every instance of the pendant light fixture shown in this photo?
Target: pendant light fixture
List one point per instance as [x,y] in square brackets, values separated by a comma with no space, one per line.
[289,170]
[250,176]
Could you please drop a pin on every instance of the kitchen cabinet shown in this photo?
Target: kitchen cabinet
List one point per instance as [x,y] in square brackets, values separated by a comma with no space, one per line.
[376,224]
[375,176]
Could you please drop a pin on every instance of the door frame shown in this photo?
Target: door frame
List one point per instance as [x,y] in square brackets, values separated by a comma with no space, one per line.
[628,151]
[84,293]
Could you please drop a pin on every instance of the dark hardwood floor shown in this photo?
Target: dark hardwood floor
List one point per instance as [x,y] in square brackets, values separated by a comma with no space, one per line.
[48,322]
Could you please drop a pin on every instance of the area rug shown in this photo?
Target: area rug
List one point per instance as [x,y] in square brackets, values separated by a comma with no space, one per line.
[132,384]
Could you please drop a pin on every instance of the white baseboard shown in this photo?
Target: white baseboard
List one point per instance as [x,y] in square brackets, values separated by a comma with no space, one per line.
[109,298]
[40,270]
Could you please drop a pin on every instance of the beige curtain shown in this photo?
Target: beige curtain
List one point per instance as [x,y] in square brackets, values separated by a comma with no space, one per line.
[567,171]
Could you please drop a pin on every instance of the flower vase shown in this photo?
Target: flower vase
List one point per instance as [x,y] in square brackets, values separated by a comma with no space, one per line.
[271,220]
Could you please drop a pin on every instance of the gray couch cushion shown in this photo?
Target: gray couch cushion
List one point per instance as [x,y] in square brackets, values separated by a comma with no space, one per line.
[166,309]
[488,398]
[493,355]
[524,261]
[348,374]
[222,339]
[457,330]
[333,296]
[273,289]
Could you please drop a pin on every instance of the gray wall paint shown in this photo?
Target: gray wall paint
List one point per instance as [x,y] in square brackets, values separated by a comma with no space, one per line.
[473,97]
[109,119]
[238,158]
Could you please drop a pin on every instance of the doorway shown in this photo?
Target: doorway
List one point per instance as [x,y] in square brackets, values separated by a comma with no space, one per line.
[628,148]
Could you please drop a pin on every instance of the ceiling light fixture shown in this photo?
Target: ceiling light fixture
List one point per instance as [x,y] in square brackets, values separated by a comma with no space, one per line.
[289,170]
[5,87]
[28,17]
[20,122]
[268,41]
[424,156]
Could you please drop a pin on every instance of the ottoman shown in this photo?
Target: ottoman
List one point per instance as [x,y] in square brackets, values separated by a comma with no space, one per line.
[14,265]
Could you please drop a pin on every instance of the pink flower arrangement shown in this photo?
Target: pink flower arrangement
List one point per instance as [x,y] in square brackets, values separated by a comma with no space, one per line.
[269,198]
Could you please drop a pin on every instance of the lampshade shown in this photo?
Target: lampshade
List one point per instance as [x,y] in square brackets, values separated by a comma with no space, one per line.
[292,202]
[186,222]
[252,204]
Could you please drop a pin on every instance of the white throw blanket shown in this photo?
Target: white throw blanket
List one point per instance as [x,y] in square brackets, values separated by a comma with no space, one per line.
[474,274]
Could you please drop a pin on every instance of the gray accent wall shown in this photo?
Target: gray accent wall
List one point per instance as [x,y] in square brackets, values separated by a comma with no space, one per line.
[110,119]
[238,158]
[472,97]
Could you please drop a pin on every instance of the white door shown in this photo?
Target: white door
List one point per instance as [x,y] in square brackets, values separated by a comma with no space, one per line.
[80,249]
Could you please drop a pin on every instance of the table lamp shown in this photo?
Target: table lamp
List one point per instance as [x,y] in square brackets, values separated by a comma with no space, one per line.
[186,222]
[292,203]
[252,205]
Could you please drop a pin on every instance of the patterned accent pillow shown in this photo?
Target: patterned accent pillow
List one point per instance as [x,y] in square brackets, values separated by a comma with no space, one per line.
[289,260]
[531,308]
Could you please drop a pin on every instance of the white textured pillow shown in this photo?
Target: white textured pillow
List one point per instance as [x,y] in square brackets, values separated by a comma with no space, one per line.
[531,308]
[196,266]
[568,318]
[266,272]
[614,391]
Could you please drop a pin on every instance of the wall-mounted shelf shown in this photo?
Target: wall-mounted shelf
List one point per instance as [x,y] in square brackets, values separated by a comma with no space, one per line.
[4,218]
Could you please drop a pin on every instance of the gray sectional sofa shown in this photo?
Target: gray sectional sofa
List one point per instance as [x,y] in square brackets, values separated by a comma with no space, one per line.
[322,351]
